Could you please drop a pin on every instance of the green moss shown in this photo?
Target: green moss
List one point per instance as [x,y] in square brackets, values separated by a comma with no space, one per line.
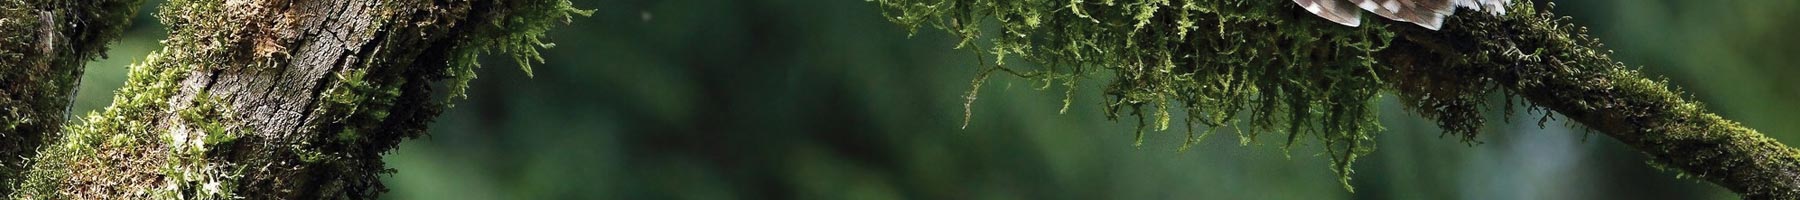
[1306,77]
[26,111]
[1245,64]
[43,46]
[516,28]
[364,108]
[124,124]
[312,156]
[123,131]
[211,117]
[359,102]
[193,165]
[348,135]
[1638,110]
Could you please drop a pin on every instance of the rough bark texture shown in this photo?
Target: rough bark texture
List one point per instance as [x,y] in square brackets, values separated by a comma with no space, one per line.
[1555,65]
[44,45]
[281,99]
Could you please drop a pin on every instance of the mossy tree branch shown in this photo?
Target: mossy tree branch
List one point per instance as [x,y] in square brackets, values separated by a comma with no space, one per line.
[44,45]
[1557,66]
[260,99]
[1293,73]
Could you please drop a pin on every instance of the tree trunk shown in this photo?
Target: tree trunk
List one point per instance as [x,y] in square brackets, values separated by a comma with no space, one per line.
[272,99]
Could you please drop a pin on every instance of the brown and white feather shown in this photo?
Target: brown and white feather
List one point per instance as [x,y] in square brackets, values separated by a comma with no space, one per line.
[1425,13]
[1334,10]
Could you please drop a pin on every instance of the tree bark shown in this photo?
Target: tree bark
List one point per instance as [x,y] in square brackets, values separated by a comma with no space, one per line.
[1553,64]
[269,99]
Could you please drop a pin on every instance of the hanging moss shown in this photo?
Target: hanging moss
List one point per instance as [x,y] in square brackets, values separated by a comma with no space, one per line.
[1546,59]
[1248,64]
[1294,74]
[515,28]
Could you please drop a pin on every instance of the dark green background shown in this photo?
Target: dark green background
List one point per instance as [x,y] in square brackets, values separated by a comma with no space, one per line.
[823,99]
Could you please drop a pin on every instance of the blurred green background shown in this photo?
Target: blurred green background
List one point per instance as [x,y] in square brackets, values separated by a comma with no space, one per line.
[823,99]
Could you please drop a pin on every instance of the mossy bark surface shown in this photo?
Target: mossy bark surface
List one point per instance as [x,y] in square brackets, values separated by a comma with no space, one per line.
[281,99]
[44,45]
[1290,72]
[1555,65]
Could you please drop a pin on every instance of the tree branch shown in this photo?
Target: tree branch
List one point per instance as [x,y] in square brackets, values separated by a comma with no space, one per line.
[1555,65]
[1305,76]
[281,99]
[44,46]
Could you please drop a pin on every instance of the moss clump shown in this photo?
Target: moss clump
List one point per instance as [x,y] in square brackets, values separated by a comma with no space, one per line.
[216,121]
[133,132]
[43,48]
[1218,58]
[1555,64]
[22,88]
[1219,62]
[112,135]
[1212,60]
[167,136]
[367,107]
[193,167]
[364,103]
[515,28]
